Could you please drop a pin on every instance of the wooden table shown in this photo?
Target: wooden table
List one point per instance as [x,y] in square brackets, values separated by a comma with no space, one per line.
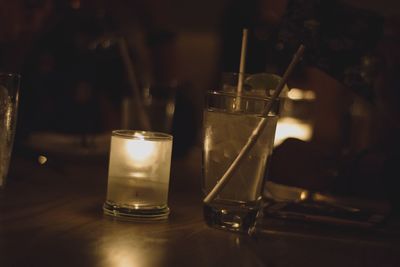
[51,215]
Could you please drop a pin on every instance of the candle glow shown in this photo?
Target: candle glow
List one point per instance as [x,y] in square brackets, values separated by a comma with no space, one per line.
[138,176]
[141,152]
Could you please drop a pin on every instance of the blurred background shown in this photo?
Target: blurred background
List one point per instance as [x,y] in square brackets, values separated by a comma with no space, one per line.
[88,65]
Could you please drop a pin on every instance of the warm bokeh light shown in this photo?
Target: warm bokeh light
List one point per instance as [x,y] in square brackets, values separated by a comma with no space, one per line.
[300,94]
[42,159]
[292,128]
[304,195]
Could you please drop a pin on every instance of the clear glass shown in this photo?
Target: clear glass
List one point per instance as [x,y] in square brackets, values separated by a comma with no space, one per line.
[158,102]
[9,91]
[228,122]
[138,175]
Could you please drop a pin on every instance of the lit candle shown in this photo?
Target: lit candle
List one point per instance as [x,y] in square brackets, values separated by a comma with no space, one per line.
[138,175]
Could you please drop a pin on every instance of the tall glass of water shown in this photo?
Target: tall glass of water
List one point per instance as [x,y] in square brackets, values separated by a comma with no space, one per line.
[229,120]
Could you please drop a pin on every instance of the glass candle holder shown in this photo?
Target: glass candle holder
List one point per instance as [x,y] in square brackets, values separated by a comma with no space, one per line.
[138,175]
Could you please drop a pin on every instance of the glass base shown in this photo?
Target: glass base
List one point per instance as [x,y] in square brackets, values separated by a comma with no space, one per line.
[236,218]
[152,213]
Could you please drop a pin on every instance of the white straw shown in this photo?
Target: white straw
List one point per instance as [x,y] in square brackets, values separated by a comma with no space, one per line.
[257,131]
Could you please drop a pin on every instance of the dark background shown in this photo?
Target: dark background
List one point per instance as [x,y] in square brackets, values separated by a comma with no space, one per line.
[73,79]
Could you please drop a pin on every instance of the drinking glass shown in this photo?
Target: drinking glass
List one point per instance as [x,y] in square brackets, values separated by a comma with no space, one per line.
[9,91]
[158,104]
[229,120]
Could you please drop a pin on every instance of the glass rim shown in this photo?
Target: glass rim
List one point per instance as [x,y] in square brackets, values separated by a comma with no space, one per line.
[236,73]
[10,74]
[141,135]
[245,96]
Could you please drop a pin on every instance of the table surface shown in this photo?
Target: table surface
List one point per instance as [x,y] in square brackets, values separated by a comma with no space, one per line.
[51,215]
